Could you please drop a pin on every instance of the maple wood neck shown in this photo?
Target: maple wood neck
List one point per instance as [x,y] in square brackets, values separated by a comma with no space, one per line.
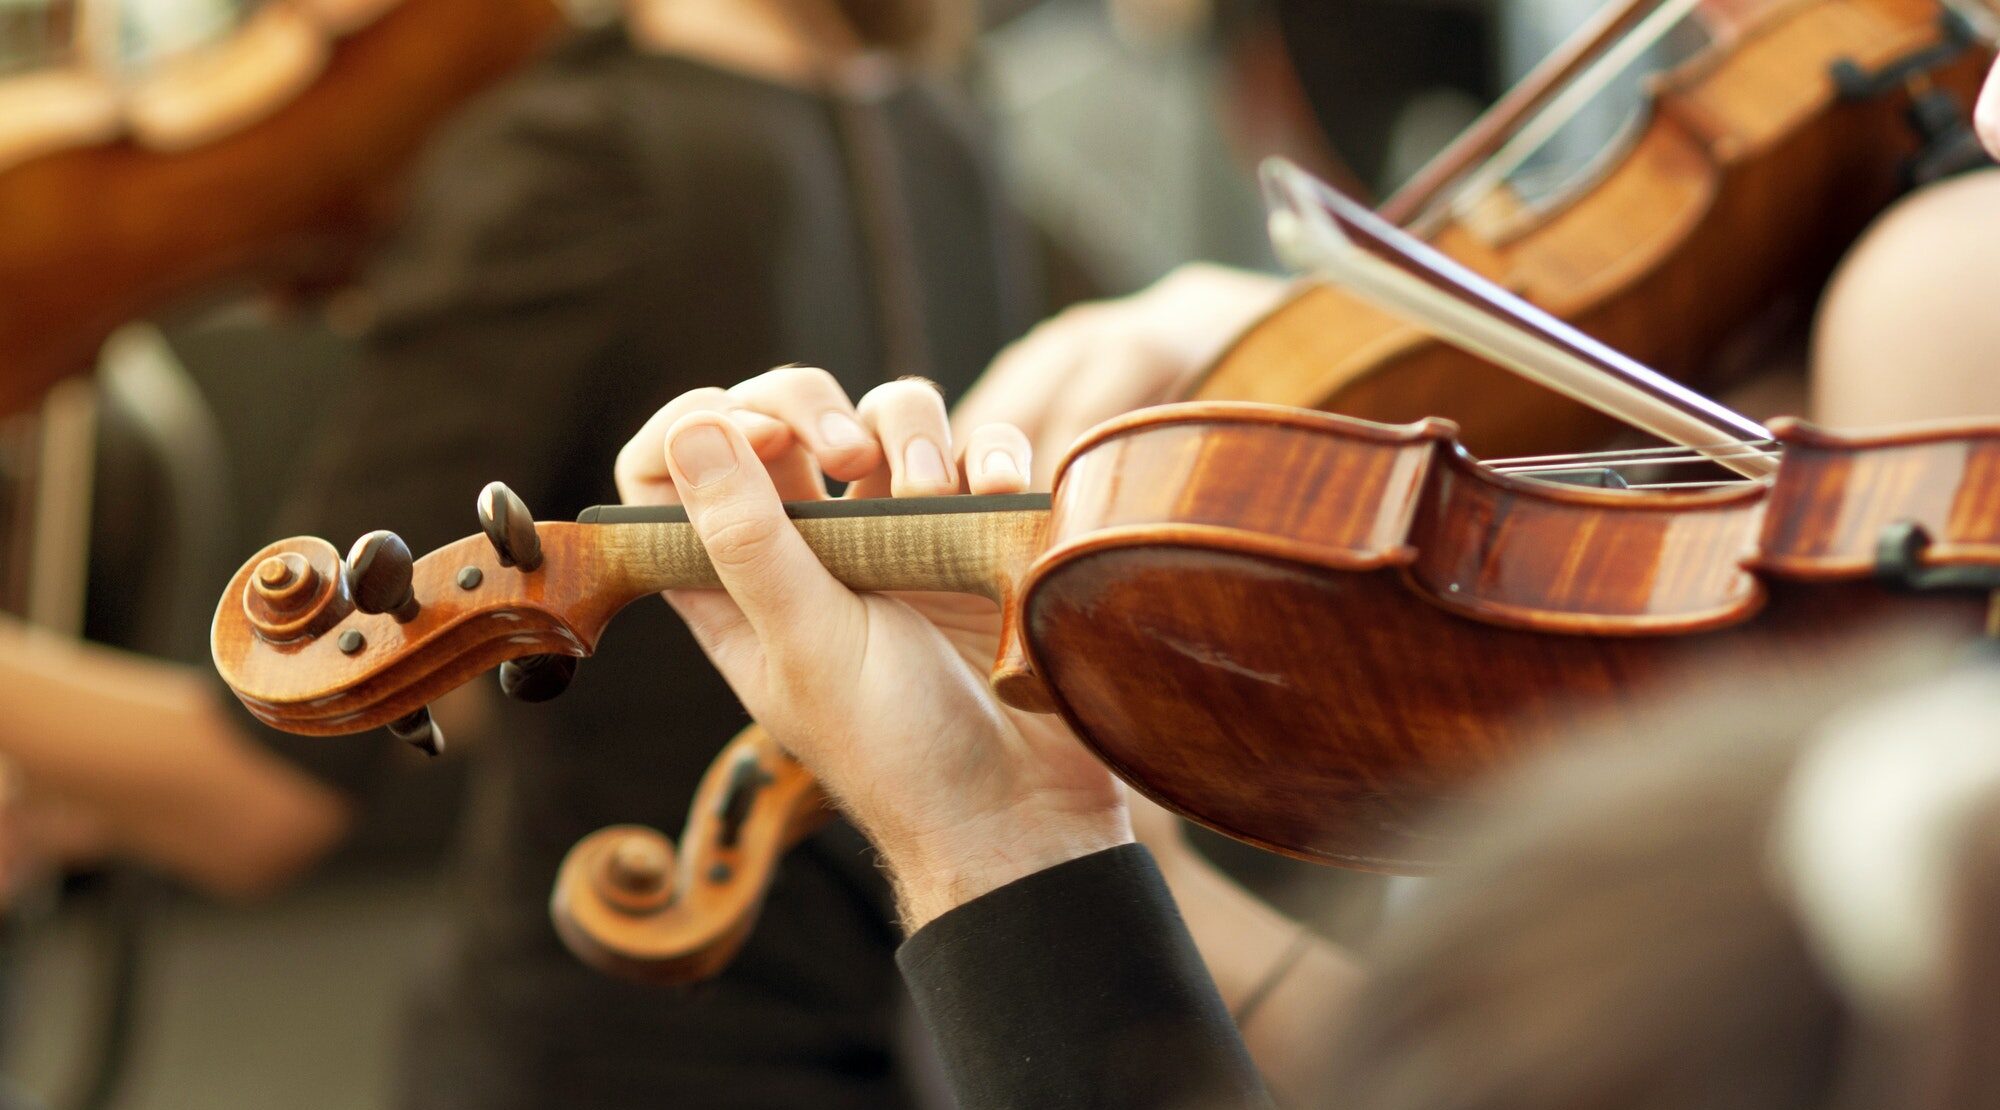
[970,545]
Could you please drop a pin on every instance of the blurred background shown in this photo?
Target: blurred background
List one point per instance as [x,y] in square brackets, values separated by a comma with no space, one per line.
[1127,132]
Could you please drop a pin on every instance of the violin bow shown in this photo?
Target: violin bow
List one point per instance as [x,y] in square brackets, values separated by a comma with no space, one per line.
[1315,228]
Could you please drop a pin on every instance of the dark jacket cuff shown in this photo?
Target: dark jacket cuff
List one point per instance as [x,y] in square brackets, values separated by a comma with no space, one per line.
[1077,986]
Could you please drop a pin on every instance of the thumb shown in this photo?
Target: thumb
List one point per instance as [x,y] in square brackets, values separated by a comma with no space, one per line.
[758,554]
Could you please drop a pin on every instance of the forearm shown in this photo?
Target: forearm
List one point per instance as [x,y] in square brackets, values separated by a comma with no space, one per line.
[146,749]
[1287,987]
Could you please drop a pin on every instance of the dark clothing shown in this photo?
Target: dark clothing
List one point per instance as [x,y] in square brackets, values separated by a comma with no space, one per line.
[1078,986]
[607,232]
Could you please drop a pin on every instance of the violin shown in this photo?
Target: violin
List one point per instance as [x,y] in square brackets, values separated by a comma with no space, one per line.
[265,154]
[1739,173]
[1296,628]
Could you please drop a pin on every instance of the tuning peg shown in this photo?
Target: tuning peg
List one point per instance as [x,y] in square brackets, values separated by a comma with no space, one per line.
[510,526]
[419,731]
[378,575]
[537,678]
[747,779]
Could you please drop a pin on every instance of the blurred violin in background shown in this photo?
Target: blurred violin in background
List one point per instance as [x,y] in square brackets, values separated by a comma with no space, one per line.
[1669,177]
[136,172]
[154,154]
[151,155]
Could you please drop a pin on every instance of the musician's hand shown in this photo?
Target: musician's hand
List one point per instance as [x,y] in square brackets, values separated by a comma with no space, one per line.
[1095,361]
[884,698]
[1986,112]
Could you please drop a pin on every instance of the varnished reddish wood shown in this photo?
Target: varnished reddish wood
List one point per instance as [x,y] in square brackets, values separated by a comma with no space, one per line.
[309,685]
[1843,490]
[93,238]
[1747,182]
[686,919]
[1307,665]
[1297,628]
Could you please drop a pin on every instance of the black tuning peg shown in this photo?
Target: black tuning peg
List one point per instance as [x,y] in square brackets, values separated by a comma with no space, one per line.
[378,575]
[537,678]
[510,526]
[747,779]
[419,731]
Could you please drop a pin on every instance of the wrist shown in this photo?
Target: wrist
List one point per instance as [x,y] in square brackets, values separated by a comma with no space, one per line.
[936,873]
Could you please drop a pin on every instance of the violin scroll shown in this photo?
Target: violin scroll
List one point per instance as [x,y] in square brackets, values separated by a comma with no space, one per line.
[627,904]
[296,590]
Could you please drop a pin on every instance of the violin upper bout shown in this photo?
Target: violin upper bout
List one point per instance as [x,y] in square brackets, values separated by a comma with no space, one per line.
[291,642]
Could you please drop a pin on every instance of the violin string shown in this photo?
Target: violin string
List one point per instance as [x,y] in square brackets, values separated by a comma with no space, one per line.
[1667,460]
[1629,453]
[1713,484]
[1581,92]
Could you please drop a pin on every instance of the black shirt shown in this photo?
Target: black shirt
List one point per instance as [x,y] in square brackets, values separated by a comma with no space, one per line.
[605,233]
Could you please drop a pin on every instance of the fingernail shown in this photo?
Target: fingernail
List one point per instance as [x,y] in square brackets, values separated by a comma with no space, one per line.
[703,454]
[923,464]
[841,430]
[1000,464]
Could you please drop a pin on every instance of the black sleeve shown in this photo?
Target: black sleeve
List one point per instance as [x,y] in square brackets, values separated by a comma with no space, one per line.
[1078,987]
[502,307]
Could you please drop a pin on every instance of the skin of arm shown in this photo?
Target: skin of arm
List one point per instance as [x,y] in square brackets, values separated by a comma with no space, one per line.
[1905,332]
[1306,983]
[146,752]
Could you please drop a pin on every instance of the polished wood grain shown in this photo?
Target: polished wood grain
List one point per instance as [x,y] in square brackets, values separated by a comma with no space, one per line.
[1843,490]
[1746,183]
[1415,627]
[627,904]
[1296,628]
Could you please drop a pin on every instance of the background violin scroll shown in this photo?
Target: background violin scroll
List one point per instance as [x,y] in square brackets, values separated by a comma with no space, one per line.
[627,904]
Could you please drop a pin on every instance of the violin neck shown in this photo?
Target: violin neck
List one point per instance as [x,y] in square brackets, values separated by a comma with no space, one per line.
[967,545]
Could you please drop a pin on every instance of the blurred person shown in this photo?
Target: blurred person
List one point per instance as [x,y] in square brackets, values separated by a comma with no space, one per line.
[1747,900]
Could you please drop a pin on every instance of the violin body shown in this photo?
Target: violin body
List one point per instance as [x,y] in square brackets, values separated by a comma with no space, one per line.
[1746,181]
[1308,664]
[107,229]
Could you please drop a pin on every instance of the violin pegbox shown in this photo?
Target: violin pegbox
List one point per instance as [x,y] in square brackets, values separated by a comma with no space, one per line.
[315,644]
